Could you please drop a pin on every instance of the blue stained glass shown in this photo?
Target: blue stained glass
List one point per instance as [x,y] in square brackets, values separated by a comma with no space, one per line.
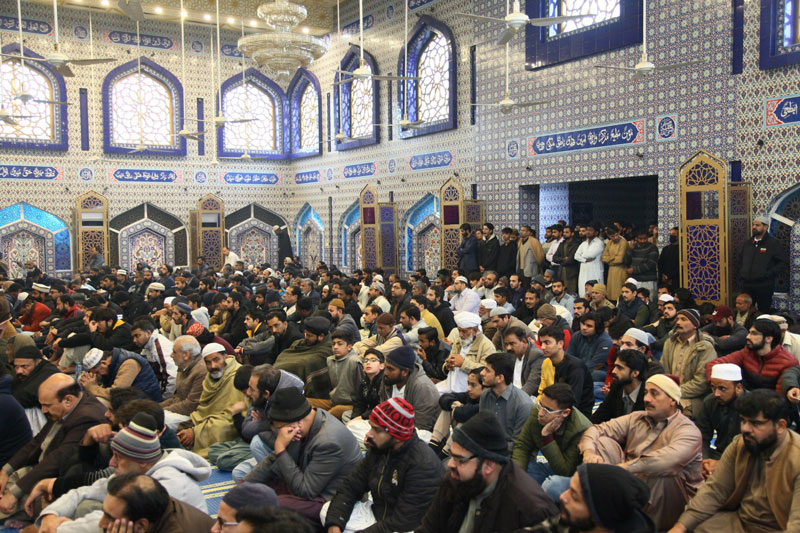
[409,248]
[603,9]
[10,214]
[791,23]
[42,218]
[63,255]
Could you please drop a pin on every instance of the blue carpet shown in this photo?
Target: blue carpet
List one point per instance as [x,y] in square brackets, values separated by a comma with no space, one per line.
[214,488]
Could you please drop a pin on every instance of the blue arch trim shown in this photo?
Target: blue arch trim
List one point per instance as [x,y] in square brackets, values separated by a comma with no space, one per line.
[60,126]
[306,212]
[341,110]
[427,205]
[302,79]
[252,75]
[421,35]
[351,215]
[175,88]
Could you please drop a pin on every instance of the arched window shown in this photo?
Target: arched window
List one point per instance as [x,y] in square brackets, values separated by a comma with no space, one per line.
[253,96]
[305,101]
[355,104]
[44,125]
[142,103]
[432,99]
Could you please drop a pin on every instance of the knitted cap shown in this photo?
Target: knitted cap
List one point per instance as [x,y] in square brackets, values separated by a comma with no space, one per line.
[139,441]
[727,372]
[488,303]
[337,303]
[20,341]
[498,311]
[212,347]
[402,357]
[546,311]
[600,287]
[185,309]
[318,325]
[539,279]
[484,436]
[614,496]
[28,352]
[122,272]
[195,329]
[248,493]
[396,416]
[692,315]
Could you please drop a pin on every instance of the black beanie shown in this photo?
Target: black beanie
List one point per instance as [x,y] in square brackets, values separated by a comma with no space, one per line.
[614,496]
[484,436]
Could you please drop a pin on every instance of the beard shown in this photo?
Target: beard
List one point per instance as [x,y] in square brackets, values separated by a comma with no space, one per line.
[373,446]
[755,447]
[584,524]
[755,347]
[624,381]
[216,375]
[468,341]
[467,490]
[259,402]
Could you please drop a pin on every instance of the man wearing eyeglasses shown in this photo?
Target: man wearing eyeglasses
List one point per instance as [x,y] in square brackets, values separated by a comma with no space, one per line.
[484,491]
[242,495]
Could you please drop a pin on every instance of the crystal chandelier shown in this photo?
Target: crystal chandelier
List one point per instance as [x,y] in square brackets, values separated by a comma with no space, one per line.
[282,51]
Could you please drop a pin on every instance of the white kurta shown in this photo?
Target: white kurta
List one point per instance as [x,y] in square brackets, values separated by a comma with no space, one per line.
[589,256]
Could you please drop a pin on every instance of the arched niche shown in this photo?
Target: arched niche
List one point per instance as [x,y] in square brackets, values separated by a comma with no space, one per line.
[30,233]
[250,234]
[149,235]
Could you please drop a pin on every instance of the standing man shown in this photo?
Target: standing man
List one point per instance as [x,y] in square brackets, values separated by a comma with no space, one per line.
[557,233]
[642,261]
[229,257]
[284,244]
[467,250]
[614,257]
[763,258]
[507,254]
[589,255]
[530,255]
[659,445]
[669,262]
[491,249]
[565,257]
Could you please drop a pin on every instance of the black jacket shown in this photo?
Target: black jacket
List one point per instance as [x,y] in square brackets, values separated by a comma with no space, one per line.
[444,315]
[402,483]
[369,395]
[613,406]
[467,410]
[516,502]
[27,392]
[289,336]
[574,372]
[12,415]
[435,358]
[762,260]
[507,259]
[489,254]
[235,331]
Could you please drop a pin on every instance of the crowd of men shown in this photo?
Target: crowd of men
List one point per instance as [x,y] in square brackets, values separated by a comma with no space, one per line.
[555,385]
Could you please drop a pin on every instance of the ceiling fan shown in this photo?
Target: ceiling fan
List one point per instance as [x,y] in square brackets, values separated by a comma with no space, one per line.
[507,103]
[59,60]
[363,72]
[644,66]
[133,9]
[516,20]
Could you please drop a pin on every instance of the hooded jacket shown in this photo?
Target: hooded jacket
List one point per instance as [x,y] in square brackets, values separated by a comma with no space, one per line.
[178,470]
[420,392]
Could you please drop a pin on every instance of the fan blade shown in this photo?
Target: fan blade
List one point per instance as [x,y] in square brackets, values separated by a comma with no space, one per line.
[507,35]
[132,8]
[51,102]
[240,120]
[394,78]
[26,58]
[531,104]
[486,105]
[65,71]
[675,66]
[22,116]
[549,21]
[480,18]
[615,68]
[93,61]
[10,121]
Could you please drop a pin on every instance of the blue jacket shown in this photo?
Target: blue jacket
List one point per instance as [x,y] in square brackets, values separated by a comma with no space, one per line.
[468,254]
[145,381]
[12,415]
[593,351]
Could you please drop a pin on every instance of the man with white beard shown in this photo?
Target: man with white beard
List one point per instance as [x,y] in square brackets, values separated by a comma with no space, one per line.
[469,351]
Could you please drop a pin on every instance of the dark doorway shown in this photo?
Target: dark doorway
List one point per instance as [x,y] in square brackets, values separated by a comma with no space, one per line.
[631,200]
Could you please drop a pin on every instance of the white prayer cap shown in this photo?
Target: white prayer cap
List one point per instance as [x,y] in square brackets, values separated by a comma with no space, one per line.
[238,273]
[41,287]
[168,300]
[726,371]
[212,347]
[92,358]
[632,280]
[488,303]
[466,319]
[122,272]
[637,334]
[462,279]
[498,311]
[781,321]
[22,296]
[377,277]
[666,298]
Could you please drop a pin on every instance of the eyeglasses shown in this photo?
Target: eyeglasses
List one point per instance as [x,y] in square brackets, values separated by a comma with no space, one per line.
[550,411]
[372,360]
[462,460]
[222,524]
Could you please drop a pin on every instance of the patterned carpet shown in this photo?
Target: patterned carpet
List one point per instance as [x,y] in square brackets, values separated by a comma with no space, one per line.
[214,488]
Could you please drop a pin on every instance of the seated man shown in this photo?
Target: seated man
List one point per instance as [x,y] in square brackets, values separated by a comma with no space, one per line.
[626,393]
[433,352]
[400,471]
[70,413]
[344,372]
[659,445]
[718,413]
[482,479]
[387,339]
[762,360]
[189,385]
[135,449]
[31,370]
[558,367]
[470,350]
[116,368]
[509,404]
[554,428]
[243,496]
[726,334]
[308,356]
[754,486]
[138,502]
[502,322]
[284,332]
[212,421]
[528,359]
[313,455]
[592,345]
[156,349]
[106,331]
[259,343]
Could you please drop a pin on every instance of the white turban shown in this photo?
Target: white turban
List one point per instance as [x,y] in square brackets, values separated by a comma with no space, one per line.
[467,320]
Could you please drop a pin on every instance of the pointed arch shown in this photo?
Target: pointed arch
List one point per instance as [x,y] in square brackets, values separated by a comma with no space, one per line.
[157,115]
[42,81]
[305,103]
[30,233]
[418,221]
[251,235]
[147,234]
[309,235]
[432,57]
[256,96]
[349,224]
[343,101]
